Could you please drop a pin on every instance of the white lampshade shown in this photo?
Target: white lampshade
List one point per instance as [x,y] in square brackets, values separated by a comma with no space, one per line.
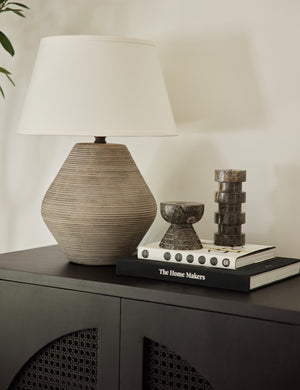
[97,86]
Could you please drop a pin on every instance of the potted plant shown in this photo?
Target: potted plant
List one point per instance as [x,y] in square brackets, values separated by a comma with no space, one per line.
[18,9]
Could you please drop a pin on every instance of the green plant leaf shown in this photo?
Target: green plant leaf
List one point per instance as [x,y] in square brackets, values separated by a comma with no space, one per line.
[5,42]
[7,74]
[2,92]
[16,11]
[8,6]
[10,79]
[5,71]
[2,3]
[19,5]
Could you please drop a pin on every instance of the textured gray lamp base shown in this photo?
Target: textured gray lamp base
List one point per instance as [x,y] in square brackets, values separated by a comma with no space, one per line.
[181,234]
[98,207]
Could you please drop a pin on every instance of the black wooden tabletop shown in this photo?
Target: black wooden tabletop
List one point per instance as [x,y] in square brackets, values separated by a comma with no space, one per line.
[47,266]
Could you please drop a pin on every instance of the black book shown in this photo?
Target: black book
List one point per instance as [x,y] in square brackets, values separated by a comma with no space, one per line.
[243,279]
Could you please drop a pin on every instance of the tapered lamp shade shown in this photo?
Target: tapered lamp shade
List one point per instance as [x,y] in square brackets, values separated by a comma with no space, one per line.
[93,85]
[98,207]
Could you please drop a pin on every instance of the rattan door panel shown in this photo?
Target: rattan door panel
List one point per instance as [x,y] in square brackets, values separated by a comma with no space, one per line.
[55,338]
[220,352]
[69,362]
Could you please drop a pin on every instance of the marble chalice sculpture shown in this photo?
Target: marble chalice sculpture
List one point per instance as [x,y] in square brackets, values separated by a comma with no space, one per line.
[181,234]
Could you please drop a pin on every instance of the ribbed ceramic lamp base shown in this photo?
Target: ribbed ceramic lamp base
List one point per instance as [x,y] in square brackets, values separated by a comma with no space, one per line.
[98,207]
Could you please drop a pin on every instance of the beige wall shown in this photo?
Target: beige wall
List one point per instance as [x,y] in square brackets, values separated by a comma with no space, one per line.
[232,69]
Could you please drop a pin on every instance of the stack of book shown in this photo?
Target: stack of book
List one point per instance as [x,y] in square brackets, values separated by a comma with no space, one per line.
[242,268]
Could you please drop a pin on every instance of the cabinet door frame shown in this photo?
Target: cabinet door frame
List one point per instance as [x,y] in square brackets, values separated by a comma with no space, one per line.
[230,352]
[33,316]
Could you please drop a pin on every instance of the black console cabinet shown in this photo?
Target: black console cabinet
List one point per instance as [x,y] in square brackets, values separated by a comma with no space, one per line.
[64,326]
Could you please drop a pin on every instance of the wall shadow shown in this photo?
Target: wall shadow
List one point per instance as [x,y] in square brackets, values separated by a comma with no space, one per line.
[284,202]
[212,78]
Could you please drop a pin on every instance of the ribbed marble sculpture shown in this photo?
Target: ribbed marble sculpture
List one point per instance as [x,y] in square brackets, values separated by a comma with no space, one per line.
[230,216]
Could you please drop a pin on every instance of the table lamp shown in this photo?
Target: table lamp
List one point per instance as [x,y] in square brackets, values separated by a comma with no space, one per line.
[98,207]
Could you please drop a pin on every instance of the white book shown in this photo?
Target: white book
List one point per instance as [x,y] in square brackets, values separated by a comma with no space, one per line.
[210,255]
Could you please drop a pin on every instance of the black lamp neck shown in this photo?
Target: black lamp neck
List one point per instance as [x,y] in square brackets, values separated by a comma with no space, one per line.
[100,140]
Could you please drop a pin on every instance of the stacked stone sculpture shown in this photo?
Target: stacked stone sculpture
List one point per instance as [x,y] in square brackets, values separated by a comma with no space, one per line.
[181,234]
[230,216]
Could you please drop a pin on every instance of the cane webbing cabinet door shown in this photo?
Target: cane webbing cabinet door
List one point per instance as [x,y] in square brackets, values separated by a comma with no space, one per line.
[57,339]
[180,348]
